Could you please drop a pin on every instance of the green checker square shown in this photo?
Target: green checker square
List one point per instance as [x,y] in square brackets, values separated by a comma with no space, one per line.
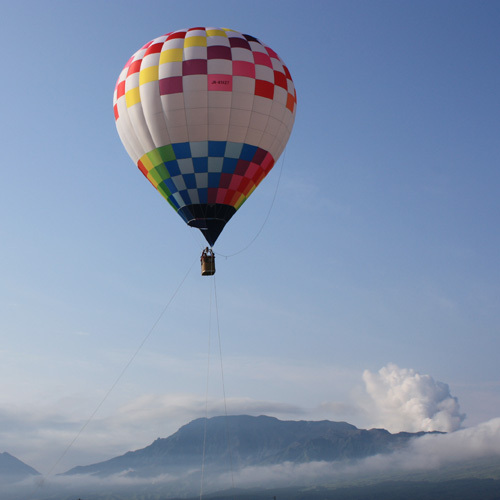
[162,172]
[171,204]
[166,153]
[153,173]
[164,191]
[155,157]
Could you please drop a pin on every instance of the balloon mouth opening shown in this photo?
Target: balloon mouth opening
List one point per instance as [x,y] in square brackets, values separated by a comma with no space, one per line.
[209,219]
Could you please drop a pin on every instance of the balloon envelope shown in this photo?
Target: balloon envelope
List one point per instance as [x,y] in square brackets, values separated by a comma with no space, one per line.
[205,113]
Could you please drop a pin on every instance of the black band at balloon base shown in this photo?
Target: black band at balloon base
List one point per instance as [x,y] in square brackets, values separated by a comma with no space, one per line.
[209,219]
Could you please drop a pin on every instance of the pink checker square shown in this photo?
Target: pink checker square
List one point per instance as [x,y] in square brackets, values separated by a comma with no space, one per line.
[221,194]
[220,82]
[263,59]
[244,68]
[252,170]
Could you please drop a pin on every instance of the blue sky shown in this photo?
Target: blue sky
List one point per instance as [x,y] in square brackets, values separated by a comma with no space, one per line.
[380,250]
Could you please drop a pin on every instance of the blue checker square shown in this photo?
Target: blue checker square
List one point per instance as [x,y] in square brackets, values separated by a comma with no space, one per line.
[182,150]
[200,165]
[229,165]
[248,152]
[185,197]
[203,195]
[173,168]
[190,181]
[213,180]
[216,148]
[170,185]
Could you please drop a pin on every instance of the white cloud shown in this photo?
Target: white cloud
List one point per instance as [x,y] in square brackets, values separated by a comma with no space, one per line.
[40,438]
[403,400]
[399,399]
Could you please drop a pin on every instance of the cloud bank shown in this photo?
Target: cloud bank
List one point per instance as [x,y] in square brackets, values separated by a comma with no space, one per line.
[401,399]
[430,453]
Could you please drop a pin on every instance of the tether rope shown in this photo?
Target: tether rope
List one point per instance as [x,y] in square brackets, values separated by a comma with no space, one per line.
[206,393]
[122,373]
[267,216]
[223,386]
[223,391]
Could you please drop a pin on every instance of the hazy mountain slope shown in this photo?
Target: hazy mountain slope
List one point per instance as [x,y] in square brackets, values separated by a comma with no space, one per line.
[246,440]
[12,469]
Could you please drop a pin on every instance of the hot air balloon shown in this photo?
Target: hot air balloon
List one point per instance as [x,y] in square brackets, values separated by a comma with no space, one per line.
[205,113]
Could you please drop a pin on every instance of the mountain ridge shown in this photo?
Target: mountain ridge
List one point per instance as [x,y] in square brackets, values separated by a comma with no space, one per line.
[250,441]
[13,469]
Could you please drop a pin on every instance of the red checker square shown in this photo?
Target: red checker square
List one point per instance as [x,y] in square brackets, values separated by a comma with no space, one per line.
[225,180]
[257,178]
[268,163]
[287,73]
[246,186]
[219,52]
[201,28]
[234,198]
[272,53]
[129,62]
[280,80]
[115,108]
[241,167]
[221,194]
[244,68]
[179,34]
[171,85]
[263,59]
[135,67]
[239,42]
[154,49]
[251,170]
[235,182]
[120,89]
[212,195]
[264,89]
[142,168]
[290,102]
[259,156]
[194,67]
[147,45]
[229,196]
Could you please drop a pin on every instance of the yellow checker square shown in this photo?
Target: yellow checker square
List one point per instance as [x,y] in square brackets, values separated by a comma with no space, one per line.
[195,41]
[171,55]
[148,164]
[240,202]
[152,180]
[216,33]
[148,75]
[132,97]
